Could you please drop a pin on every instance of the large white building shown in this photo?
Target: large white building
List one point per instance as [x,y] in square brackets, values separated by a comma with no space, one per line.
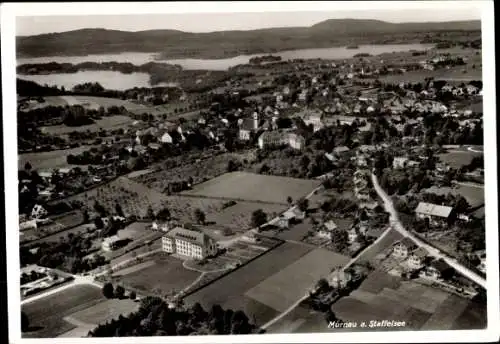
[189,243]
[280,138]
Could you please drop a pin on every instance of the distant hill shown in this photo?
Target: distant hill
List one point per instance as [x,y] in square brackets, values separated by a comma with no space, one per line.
[173,43]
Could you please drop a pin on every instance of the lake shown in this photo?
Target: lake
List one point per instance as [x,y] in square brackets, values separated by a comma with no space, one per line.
[108,79]
[119,81]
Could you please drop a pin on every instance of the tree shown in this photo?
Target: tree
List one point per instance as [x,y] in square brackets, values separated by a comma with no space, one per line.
[303,204]
[119,210]
[289,200]
[108,290]
[25,322]
[163,215]
[151,213]
[259,217]
[119,292]
[199,216]
[132,295]
[99,224]
[27,166]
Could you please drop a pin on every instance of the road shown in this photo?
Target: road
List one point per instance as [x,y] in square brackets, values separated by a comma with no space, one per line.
[397,225]
[303,298]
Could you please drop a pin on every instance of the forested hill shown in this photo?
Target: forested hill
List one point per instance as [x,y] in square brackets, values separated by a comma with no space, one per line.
[333,32]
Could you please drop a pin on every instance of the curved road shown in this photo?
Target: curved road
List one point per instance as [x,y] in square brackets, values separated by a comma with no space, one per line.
[397,225]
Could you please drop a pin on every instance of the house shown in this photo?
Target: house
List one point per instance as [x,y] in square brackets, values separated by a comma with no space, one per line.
[339,279]
[341,149]
[352,235]
[435,213]
[189,243]
[25,225]
[314,119]
[159,226]
[166,138]
[38,212]
[327,229]
[399,162]
[111,243]
[471,89]
[283,222]
[417,258]
[404,247]
[296,141]
[482,266]
[437,269]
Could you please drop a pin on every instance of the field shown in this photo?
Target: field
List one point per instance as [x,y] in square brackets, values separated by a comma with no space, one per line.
[254,187]
[382,296]
[106,123]
[238,216]
[49,160]
[47,314]
[278,293]
[458,158]
[229,291]
[200,171]
[55,230]
[473,195]
[166,275]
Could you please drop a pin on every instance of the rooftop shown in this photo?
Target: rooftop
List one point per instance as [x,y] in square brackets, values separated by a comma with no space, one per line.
[433,210]
[195,237]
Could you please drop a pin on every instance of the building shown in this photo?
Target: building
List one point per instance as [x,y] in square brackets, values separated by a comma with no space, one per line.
[25,225]
[189,243]
[435,213]
[272,139]
[417,258]
[352,235]
[314,119]
[111,243]
[399,162]
[404,248]
[38,212]
[249,126]
[437,269]
[326,230]
[339,279]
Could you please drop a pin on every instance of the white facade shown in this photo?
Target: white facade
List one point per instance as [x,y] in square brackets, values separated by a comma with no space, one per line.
[189,243]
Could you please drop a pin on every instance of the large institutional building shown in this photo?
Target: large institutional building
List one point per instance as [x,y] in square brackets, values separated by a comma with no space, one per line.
[189,243]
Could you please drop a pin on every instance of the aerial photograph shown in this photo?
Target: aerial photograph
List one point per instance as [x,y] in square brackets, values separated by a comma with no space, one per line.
[246,173]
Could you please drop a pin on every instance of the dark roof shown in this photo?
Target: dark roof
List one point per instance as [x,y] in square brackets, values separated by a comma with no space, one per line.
[440,265]
[247,124]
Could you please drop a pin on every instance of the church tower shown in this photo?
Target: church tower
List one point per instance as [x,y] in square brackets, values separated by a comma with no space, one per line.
[255,121]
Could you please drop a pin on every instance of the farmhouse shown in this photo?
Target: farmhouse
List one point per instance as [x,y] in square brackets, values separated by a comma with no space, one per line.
[437,269]
[38,212]
[111,243]
[399,162]
[25,225]
[339,279]
[416,259]
[404,247]
[189,243]
[326,230]
[435,213]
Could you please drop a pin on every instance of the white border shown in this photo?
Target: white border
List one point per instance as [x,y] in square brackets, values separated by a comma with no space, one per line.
[8,13]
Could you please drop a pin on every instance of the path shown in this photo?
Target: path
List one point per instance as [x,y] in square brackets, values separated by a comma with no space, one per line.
[397,225]
[303,298]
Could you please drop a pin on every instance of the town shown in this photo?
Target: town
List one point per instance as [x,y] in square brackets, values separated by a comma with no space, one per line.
[277,196]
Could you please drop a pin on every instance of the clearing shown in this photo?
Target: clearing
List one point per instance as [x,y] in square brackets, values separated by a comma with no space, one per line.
[49,160]
[279,293]
[46,314]
[473,195]
[229,291]
[254,187]
[106,123]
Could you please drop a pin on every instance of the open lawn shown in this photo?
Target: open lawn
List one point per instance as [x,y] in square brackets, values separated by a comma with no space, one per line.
[106,123]
[473,195]
[458,158]
[105,311]
[254,187]
[49,160]
[46,314]
[277,292]
[165,276]
[229,291]
[455,74]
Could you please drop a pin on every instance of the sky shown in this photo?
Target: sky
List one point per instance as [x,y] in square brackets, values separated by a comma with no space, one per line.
[207,22]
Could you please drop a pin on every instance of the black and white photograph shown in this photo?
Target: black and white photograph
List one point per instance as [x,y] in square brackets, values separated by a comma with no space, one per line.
[250,172]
